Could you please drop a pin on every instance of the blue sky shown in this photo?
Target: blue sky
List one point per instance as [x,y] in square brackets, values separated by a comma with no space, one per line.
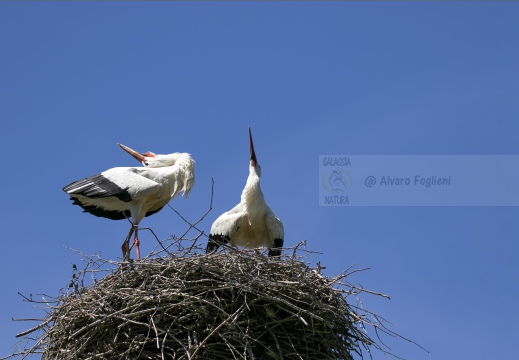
[375,78]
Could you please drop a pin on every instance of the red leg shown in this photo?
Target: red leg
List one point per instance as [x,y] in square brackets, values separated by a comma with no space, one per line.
[136,244]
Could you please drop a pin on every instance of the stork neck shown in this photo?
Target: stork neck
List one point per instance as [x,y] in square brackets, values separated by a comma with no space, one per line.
[252,196]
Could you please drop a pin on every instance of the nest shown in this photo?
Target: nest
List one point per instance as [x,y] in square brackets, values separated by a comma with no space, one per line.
[232,304]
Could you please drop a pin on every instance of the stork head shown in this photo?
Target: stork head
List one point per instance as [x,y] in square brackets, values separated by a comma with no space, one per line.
[254,166]
[150,159]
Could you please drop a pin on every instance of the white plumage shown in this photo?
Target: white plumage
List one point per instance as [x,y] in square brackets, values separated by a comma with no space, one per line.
[135,192]
[251,223]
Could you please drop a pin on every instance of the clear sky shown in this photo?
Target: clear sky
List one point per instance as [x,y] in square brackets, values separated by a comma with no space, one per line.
[375,78]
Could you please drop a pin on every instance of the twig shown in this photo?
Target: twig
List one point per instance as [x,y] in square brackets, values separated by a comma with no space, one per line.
[215,330]
[193,226]
[39,326]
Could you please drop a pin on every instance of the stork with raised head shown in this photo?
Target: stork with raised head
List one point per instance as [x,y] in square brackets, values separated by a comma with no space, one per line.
[135,192]
[251,223]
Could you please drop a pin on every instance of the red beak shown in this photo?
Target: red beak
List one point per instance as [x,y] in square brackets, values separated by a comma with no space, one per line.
[140,157]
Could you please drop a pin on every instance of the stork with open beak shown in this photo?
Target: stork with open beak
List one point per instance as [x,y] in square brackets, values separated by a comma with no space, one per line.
[251,223]
[135,192]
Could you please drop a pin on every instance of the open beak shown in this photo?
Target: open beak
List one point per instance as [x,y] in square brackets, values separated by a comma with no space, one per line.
[140,157]
[252,152]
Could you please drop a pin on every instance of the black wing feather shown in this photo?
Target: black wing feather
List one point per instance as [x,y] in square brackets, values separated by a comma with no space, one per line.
[215,241]
[97,186]
[97,211]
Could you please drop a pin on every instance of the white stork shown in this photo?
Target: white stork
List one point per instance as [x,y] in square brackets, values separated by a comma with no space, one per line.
[251,223]
[136,192]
